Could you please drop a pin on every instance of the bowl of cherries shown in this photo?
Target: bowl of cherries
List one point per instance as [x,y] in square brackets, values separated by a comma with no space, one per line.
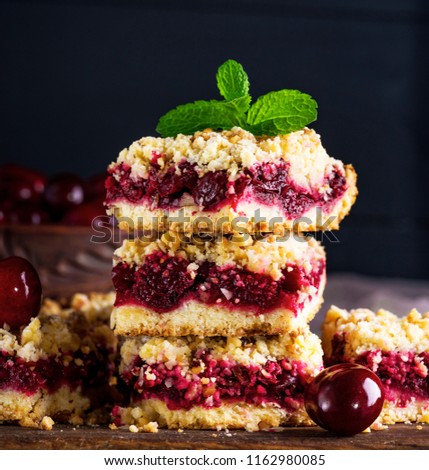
[59,224]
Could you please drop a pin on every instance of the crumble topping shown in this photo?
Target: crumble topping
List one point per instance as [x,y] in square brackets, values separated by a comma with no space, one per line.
[366,330]
[231,151]
[300,346]
[58,329]
[267,256]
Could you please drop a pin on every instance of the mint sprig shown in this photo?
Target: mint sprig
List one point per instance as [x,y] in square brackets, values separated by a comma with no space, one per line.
[200,115]
[232,80]
[278,112]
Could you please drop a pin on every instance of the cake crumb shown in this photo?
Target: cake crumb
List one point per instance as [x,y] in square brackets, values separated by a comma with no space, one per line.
[113,426]
[47,423]
[419,427]
[113,381]
[133,428]
[379,427]
[180,430]
[151,427]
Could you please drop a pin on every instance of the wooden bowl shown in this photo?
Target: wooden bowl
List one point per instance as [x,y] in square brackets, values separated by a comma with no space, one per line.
[68,259]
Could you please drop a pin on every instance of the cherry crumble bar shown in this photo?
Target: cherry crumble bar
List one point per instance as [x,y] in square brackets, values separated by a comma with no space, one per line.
[230,181]
[396,349]
[60,366]
[217,383]
[224,286]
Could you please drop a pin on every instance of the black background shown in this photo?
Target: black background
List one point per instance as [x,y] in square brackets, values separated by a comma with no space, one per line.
[81,80]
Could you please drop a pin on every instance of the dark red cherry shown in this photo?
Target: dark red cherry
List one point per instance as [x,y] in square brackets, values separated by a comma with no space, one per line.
[210,189]
[345,399]
[63,192]
[20,292]
[85,214]
[95,187]
[27,214]
[18,183]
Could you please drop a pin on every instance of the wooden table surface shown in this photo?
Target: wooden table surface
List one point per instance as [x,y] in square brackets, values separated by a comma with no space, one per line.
[399,436]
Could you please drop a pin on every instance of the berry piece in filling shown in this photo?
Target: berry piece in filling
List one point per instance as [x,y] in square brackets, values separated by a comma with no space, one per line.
[163,282]
[20,292]
[210,189]
[280,382]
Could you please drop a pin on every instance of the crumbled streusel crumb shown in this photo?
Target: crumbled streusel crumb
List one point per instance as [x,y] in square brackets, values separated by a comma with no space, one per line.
[379,427]
[151,427]
[47,423]
[133,428]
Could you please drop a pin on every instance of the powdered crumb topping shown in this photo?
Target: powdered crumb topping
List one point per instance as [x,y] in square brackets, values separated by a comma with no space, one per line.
[366,330]
[58,330]
[232,151]
[266,256]
[300,346]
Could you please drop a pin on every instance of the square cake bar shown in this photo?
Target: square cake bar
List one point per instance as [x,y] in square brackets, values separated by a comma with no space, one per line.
[218,383]
[211,180]
[396,349]
[60,365]
[226,286]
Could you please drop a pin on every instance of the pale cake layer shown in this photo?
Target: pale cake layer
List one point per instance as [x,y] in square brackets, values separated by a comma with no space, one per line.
[247,215]
[227,416]
[414,411]
[200,319]
[30,410]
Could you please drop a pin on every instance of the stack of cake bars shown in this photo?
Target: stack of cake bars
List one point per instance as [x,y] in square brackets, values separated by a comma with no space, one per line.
[213,303]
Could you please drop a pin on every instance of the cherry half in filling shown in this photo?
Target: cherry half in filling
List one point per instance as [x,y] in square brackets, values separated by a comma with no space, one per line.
[281,382]
[404,375]
[163,282]
[50,374]
[269,184]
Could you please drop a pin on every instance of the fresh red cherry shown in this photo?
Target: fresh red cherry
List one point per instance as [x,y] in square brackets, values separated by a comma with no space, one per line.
[20,292]
[94,187]
[63,192]
[18,183]
[27,214]
[85,214]
[345,399]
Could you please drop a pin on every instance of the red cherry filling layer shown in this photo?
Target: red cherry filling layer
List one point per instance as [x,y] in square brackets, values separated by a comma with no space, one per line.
[281,382]
[163,282]
[268,183]
[88,370]
[404,374]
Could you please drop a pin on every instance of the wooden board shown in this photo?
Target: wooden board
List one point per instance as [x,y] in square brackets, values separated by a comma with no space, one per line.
[399,436]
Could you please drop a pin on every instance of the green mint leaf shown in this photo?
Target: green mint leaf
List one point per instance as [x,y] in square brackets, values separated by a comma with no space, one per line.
[232,80]
[200,115]
[281,112]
